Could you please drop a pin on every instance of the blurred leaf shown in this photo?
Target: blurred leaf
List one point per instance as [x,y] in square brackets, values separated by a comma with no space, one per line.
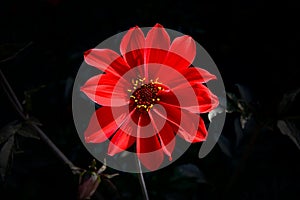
[238,131]
[244,118]
[232,96]
[287,101]
[28,132]
[245,93]
[231,103]
[5,154]
[289,128]
[225,145]
[9,130]
[188,171]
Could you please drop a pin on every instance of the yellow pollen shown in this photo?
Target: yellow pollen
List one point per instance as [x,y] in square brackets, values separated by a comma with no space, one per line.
[129,91]
[159,88]
[157,99]
[136,100]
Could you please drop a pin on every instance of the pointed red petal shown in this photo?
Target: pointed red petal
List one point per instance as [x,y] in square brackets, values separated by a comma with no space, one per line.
[126,135]
[182,121]
[132,46]
[182,53]
[202,101]
[103,90]
[157,44]
[149,150]
[106,60]
[165,134]
[157,38]
[196,74]
[201,132]
[103,124]
[120,142]
[207,101]
[152,161]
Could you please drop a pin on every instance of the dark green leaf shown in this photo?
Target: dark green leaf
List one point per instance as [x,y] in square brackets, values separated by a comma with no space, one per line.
[9,130]
[289,128]
[5,154]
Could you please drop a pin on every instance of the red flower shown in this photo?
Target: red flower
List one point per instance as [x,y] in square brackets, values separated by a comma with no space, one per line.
[146,94]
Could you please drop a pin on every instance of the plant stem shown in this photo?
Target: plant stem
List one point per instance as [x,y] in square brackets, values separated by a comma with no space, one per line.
[18,107]
[10,92]
[142,181]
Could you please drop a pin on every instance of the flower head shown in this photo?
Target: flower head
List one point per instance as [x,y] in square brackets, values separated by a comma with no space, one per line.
[148,95]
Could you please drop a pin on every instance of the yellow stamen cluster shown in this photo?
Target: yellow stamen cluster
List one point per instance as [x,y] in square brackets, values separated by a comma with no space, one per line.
[145,95]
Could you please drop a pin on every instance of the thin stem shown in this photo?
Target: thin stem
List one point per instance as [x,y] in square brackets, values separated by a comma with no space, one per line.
[18,107]
[15,55]
[53,147]
[142,181]
[10,92]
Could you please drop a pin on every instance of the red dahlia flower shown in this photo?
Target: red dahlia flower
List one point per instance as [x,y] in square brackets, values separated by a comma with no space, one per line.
[146,95]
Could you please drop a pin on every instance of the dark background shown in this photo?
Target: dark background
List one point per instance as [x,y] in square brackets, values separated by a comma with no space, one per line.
[253,43]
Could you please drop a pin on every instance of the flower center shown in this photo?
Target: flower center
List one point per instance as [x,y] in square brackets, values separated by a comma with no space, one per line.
[145,96]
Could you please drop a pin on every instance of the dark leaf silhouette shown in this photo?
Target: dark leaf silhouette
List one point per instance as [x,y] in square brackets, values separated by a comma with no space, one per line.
[28,131]
[289,128]
[5,155]
[287,101]
[238,131]
[9,130]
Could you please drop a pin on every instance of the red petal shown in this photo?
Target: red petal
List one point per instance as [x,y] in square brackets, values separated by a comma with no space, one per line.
[132,46]
[165,134]
[206,99]
[202,101]
[152,160]
[198,75]
[103,90]
[195,75]
[201,132]
[106,60]
[157,44]
[126,135]
[120,142]
[149,150]
[157,38]
[182,53]
[183,122]
[103,124]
